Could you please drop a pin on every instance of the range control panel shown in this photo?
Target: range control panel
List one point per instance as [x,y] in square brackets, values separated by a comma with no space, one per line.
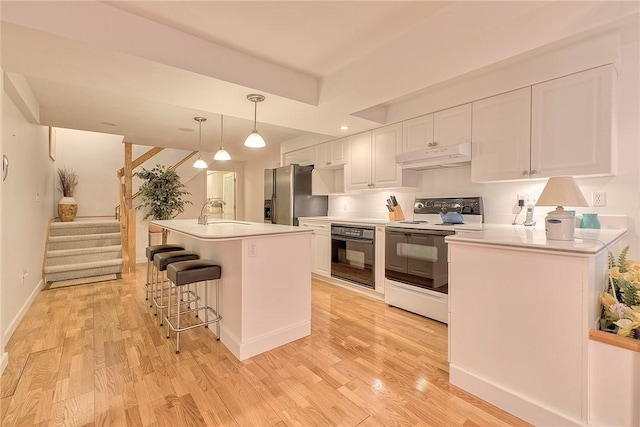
[463,205]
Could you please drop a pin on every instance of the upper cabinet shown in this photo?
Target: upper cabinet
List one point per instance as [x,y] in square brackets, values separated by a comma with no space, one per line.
[559,127]
[446,127]
[332,154]
[303,157]
[571,124]
[501,137]
[372,160]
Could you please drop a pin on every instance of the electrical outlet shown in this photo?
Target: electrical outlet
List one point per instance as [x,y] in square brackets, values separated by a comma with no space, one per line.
[528,199]
[253,251]
[599,198]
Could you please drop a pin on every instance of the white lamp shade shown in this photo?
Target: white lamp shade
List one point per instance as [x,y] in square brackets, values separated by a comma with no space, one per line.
[200,164]
[561,191]
[254,140]
[222,155]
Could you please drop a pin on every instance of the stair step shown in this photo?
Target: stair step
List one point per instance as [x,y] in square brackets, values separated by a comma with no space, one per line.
[87,269]
[82,255]
[84,227]
[84,241]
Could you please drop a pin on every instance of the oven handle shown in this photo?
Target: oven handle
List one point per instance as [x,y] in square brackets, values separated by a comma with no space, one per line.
[417,231]
[350,239]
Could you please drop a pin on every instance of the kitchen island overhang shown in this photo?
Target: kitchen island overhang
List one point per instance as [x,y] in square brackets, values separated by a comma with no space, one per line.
[265,288]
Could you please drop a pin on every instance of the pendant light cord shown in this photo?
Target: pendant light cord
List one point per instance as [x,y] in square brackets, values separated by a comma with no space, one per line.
[255,116]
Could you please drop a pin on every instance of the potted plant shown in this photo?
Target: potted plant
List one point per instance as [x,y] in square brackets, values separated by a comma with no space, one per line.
[67,206]
[161,194]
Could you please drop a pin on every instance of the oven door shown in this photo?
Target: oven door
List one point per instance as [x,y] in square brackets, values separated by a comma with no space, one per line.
[417,258]
[352,259]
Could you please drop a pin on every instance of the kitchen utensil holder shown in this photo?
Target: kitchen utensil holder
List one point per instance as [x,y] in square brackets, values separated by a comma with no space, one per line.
[397,214]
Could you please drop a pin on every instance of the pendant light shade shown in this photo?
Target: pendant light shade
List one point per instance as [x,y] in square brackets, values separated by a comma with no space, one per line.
[200,163]
[254,140]
[222,154]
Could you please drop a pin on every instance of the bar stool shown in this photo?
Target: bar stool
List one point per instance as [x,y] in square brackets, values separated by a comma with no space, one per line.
[190,272]
[161,261]
[151,251]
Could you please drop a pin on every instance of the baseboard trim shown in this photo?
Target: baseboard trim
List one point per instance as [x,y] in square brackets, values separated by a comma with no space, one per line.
[23,310]
[521,406]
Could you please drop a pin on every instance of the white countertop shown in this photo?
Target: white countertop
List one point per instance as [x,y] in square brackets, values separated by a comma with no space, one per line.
[220,229]
[587,241]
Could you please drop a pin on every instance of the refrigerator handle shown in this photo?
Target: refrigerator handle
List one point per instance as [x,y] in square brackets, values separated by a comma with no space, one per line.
[274,210]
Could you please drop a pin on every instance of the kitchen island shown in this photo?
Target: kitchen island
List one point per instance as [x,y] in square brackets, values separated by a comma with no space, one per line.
[520,311]
[265,288]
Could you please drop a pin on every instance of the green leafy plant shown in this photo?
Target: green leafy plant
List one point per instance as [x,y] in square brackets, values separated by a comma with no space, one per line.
[161,193]
[621,300]
[68,181]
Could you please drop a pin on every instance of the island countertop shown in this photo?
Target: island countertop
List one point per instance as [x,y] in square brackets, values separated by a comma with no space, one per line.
[221,229]
[587,241]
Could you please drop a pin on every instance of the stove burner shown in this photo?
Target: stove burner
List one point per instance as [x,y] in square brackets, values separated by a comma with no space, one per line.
[414,222]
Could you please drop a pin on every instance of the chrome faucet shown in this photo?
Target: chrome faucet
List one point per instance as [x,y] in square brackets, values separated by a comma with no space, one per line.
[213,203]
[529,219]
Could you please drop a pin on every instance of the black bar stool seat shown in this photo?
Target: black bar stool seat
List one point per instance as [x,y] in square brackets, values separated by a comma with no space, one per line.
[185,273]
[151,251]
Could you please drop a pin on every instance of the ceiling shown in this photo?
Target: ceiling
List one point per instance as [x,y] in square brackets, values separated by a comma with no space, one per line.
[144,69]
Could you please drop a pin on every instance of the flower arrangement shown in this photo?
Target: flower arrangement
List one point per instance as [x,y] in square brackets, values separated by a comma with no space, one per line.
[68,182]
[621,300]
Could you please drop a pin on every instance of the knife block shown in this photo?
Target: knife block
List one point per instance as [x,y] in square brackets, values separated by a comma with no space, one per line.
[397,214]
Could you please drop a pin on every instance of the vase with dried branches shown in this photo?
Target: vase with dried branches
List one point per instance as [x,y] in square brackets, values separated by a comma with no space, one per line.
[67,183]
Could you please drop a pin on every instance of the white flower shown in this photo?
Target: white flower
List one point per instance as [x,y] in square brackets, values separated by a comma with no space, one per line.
[618,309]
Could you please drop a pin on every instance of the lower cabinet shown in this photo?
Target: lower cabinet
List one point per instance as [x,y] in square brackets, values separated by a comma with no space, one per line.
[320,246]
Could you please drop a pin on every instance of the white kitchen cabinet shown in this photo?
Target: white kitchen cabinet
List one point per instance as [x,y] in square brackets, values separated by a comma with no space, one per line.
[304,157]
[571,124]
[372,160]
[332,154]
[559,127]
[501,137]
[446,127]
[320,246]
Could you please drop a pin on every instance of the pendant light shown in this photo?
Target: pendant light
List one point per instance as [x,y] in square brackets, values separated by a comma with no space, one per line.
[200,163]
[222,154]
[254,140]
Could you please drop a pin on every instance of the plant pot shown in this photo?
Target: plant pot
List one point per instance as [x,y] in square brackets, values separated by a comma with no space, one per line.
[67,209]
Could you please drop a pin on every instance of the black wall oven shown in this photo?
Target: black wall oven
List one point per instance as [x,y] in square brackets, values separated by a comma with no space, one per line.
[353,254]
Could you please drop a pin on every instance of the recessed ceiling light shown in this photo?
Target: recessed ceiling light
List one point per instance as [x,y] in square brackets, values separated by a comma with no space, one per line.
[108,123]
[186,129]
[344,127]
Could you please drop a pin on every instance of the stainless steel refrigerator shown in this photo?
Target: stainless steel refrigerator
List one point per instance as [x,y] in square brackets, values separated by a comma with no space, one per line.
[287,195]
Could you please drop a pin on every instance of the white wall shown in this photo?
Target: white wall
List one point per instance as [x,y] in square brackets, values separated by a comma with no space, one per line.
[95,158]
[500,198]
[27,197]
[254,186]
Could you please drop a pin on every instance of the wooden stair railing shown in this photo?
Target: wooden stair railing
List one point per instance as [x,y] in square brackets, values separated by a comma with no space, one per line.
[125,212]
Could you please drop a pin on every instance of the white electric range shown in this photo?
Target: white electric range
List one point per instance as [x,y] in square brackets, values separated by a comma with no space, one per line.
[416,264]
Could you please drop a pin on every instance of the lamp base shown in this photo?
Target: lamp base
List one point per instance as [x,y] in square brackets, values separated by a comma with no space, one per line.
[560,225]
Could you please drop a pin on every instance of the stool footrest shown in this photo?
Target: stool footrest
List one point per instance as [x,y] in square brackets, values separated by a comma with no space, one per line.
[197,325]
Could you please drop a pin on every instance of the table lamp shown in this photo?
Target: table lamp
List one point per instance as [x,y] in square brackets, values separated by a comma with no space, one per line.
[561,191]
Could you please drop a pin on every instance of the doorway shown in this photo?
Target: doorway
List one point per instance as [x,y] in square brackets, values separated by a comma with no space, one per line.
[221,188]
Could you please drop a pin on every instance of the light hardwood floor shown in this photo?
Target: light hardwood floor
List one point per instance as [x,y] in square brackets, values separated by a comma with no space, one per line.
[94,355]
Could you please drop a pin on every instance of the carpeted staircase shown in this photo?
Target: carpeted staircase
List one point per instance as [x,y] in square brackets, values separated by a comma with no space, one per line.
[83,251]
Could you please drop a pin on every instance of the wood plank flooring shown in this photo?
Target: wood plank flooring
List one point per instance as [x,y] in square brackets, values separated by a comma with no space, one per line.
[93,355]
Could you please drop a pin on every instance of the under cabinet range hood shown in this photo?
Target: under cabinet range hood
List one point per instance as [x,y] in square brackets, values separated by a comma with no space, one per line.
[437,157]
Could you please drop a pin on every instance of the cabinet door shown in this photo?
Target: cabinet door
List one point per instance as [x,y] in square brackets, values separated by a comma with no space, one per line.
[323,155]
[452,126]
[339,152]
[571,124]
[290,158]
[307,156]
[323,253]
[358,169]
[386,143]
[501,137]
[417,133]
